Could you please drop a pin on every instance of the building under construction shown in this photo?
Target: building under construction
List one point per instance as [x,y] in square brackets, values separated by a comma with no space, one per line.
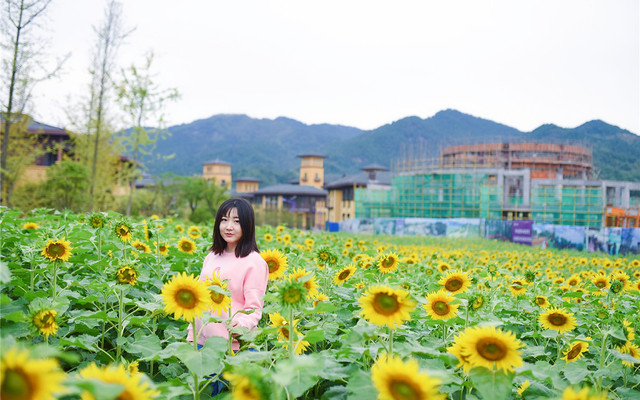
[543,182]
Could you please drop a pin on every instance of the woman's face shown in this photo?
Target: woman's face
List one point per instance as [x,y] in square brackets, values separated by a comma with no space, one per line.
[230,229]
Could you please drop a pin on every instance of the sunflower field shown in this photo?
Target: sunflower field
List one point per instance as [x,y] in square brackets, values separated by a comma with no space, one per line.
[96,306]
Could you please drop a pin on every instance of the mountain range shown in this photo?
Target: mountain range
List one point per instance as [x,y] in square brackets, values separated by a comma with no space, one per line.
[267,149]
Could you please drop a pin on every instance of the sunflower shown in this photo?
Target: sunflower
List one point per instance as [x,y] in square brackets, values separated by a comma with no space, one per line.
[478,301]
[180,229]
[583,394]
[318,298]
[575,351]
[220,301]
[276,261]
[29,226]
[398,380]
[382,305]
[127,275]
[517,287]
[44,321]
[490,347]
[194,232]
[456,349]
[443,267]
[140,246]
[268,237]
[28,379]
[310,283]
[162,248]
[292,294]
[345,273]
[455,282]
[57,250]
[541,301]
[523,387]
[280,323]
[123,231]
[97,221]
[185,296]
[630,349]
[439,305]
[557,319]
[186,245]
[388,262]
[148,235]
[242,387]
[133,388]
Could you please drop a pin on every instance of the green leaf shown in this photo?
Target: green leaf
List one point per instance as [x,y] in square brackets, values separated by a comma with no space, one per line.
[549,334]
[5,273]
[145,346]
[205,361]
[360,386]
[314,336]
[101,390]
[298,374]
[575,371]
[492,385]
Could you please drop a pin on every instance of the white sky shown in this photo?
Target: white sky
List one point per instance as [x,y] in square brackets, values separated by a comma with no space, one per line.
[365,63]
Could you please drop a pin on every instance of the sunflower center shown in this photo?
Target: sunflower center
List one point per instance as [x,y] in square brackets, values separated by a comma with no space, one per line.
[402,390]
[344,275]
[285,332]
[600,284]
[557,319]
[385,304]
[491,350]
[540,300]
[440,308]
[574,352]
[96,222]
[186,246]
[453,284]
[292,296]
[573,282]
[217,297]
[273,266]
[127,275]
[44,320]
[15,386]
[478,302]
[123,231]
[56,249]
[185,298]
[323,256]
[388,262]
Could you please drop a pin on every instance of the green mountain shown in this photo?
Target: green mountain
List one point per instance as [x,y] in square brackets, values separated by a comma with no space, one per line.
[268,149]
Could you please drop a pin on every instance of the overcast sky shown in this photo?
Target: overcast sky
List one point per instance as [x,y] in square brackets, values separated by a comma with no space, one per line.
[367,63]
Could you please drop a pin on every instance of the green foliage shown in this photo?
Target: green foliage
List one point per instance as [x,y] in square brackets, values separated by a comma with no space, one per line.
[103,321]
[268,149]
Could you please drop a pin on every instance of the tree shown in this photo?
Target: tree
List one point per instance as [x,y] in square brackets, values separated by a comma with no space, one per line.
[142,100]
[109,36]
[192,190]
[214,195]
[23,67]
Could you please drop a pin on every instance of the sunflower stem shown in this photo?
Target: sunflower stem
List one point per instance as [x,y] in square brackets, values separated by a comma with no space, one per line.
[602,358]
[390,341]
[230,349]
[54,287]
[196,334]
[292,333]
[196,388]
[120,323]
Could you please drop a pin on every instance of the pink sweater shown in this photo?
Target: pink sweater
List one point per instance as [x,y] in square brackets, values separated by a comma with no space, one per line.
[247,282]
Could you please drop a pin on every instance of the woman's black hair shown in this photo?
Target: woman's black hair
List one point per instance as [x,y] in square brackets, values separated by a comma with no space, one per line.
[247,242]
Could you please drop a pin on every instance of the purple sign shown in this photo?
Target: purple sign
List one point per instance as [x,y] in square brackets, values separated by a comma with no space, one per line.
[521,232]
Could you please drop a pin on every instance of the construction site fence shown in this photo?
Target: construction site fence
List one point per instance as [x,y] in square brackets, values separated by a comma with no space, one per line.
[613,241]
